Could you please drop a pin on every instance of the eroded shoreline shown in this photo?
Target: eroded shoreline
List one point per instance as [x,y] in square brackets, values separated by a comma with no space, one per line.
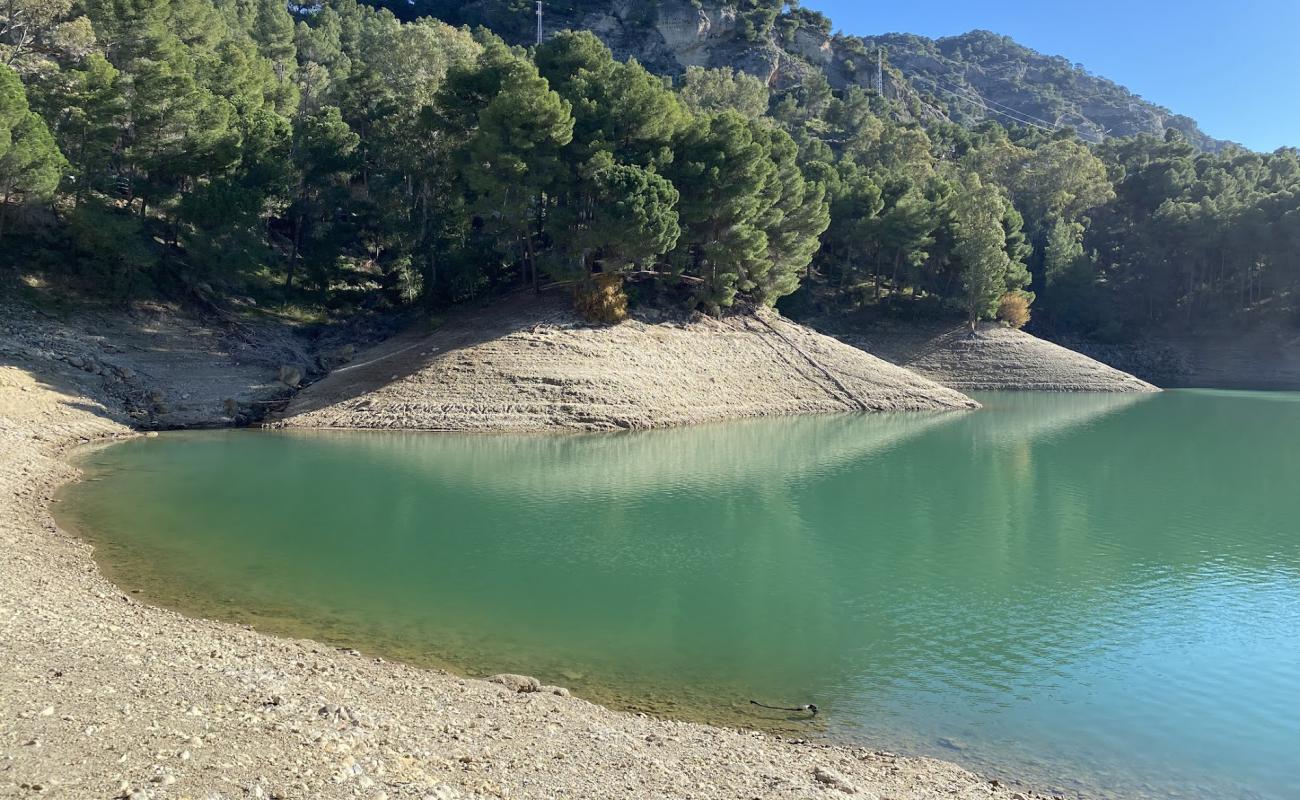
[103,696]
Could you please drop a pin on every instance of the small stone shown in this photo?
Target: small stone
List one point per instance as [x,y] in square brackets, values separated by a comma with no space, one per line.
[151,435]
[48,711]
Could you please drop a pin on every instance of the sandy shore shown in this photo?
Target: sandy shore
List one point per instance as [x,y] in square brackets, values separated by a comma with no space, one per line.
[104,697]
[529,365]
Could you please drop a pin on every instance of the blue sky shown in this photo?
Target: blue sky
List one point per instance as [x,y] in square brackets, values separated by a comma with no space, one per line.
[1232,66]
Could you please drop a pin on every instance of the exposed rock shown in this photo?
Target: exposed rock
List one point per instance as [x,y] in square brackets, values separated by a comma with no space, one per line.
[833,779]
[522,684]
[290,376]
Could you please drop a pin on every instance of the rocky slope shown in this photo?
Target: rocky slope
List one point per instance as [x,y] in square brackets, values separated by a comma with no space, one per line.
[1217,356]
[531,365]
[981,75]
[154,365]
[992,358]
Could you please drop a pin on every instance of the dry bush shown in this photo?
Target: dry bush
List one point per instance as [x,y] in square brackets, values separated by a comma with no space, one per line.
[602,299]
[1013,310]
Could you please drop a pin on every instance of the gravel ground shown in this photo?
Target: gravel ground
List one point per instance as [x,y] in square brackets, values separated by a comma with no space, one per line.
[104,697]
[530,365]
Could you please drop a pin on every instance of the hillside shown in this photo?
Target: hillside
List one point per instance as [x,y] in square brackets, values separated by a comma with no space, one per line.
[971,77]
[994,358]
[981,75]
[532,365]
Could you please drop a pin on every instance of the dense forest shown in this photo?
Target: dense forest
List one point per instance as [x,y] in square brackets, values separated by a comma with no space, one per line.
[338,155]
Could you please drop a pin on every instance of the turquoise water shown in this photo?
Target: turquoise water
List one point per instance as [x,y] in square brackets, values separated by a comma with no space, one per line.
[1096,594]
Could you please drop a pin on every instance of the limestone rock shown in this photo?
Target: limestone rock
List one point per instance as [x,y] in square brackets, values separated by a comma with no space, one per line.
[833,779]
[522,684]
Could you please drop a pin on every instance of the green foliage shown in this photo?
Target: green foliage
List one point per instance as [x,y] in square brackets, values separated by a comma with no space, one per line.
[30,162]
[708,91]
[370,154]
[108,248]
[980,246]
[627,217]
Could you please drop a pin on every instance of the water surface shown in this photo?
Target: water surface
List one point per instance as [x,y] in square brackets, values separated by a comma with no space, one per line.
[1094,593]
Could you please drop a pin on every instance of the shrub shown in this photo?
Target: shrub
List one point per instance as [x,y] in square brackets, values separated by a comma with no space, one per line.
[1013,309]
[602,298]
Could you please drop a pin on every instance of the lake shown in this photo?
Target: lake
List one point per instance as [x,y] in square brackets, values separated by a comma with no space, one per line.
[1096,594]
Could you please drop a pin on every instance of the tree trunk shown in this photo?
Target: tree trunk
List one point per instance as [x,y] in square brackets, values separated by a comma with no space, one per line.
[530,259]
[293,257]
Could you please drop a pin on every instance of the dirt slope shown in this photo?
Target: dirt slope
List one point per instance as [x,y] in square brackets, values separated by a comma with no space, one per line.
[993,358]
[530,365]
[155,365]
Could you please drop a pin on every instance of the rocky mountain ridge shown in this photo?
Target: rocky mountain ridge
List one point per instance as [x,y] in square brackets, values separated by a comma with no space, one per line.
[972,77]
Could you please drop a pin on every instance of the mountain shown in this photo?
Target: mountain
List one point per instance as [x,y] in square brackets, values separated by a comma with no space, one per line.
[967,78]
[982,74]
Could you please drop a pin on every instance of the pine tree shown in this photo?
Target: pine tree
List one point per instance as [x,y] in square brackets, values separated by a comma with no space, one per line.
[798,216]
[723,175]
[87,109]
[515,155]
[980,245]
[30,162]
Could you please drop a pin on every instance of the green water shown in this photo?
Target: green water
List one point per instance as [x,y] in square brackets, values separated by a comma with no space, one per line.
[1093,593]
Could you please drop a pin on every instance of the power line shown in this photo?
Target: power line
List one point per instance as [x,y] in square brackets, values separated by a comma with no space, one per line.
[1026,119]
[971,91]
[975,98]
[539,22]
[1012,114]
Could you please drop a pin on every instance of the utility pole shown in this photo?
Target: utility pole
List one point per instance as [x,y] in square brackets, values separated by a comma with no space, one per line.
[880,71]
[539,21]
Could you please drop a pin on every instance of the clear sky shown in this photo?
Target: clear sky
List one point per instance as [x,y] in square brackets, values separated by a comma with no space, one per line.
[1232,65]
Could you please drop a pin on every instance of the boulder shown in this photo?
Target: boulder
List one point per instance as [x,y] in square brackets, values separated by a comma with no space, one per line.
[290,376]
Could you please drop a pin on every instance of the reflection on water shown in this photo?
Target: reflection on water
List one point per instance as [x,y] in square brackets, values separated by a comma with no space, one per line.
[1096,591]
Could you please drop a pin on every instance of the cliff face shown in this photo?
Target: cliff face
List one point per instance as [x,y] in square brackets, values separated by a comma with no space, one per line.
[972,77]
[666,36]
